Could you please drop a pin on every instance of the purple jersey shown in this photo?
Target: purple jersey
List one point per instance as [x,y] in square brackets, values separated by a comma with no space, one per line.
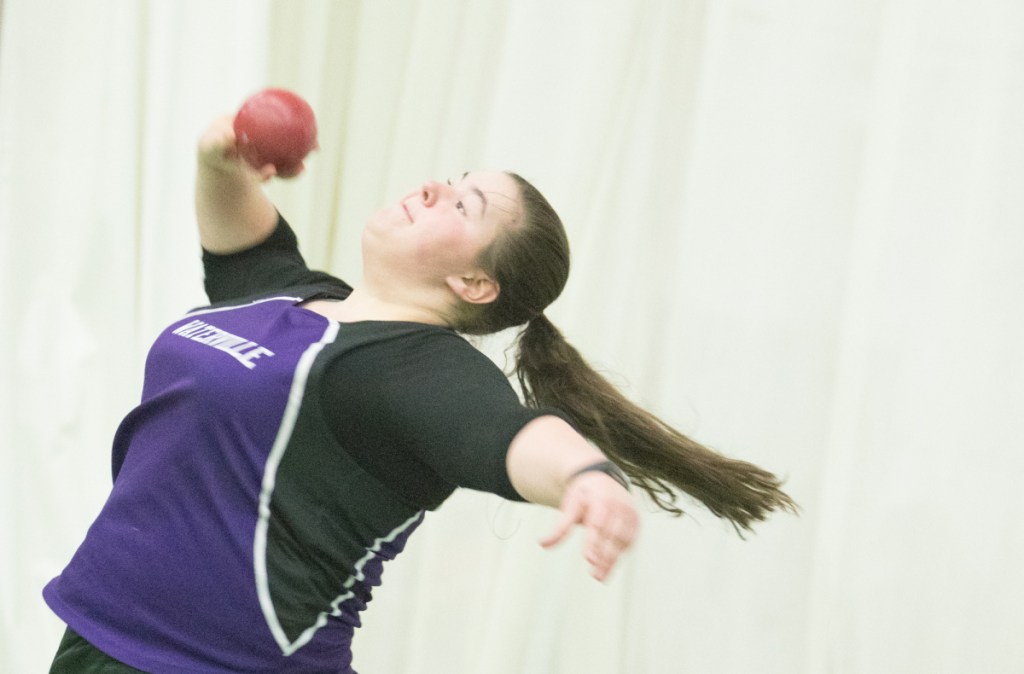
[180,548]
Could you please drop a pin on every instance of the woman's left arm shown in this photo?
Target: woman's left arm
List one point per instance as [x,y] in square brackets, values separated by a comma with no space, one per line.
[544,460]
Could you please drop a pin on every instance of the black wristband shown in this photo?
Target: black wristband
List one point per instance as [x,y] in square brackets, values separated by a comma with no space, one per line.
[608,468]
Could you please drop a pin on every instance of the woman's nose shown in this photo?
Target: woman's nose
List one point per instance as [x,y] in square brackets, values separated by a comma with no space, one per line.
[433,191]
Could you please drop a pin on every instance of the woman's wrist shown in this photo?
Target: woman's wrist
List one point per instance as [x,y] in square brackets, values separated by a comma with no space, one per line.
[604,466]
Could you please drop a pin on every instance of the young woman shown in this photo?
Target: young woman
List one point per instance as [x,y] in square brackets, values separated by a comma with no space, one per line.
[293,433]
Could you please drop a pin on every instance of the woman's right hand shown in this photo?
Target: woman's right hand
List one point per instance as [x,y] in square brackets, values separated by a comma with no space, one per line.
[218,150]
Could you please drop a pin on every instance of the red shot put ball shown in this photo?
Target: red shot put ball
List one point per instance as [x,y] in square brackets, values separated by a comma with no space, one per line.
[276,126]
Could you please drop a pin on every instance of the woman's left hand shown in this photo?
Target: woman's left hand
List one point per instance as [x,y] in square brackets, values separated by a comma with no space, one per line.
[605,509]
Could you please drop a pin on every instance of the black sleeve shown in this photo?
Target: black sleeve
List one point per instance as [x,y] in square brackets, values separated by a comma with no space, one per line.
[272,265]
[426,412]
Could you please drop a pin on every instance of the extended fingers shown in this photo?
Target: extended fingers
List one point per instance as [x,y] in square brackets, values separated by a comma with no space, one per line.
[609,517]
[572,514]
[610,531]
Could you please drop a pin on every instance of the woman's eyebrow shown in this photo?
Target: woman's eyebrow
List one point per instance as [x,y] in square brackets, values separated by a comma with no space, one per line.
[477,191]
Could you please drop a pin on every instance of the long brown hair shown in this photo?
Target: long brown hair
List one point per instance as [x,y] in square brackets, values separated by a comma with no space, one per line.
[530,261]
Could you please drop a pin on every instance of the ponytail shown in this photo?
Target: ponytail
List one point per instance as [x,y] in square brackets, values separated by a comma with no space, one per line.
[656,457]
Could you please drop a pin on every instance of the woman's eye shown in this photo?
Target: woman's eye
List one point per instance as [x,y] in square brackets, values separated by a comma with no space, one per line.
[460,207]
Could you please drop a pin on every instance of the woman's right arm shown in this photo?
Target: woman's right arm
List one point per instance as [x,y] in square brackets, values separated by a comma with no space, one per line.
[232,211]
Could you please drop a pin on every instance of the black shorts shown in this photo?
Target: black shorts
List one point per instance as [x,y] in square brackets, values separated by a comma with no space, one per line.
[75,655]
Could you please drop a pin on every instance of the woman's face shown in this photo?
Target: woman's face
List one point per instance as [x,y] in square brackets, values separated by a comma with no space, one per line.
[440,229]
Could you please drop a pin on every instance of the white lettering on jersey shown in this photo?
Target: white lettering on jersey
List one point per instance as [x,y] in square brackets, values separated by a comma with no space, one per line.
[239,348]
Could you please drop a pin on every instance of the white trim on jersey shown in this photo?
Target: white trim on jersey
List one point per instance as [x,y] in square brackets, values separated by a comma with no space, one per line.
[321,619]
[284,433]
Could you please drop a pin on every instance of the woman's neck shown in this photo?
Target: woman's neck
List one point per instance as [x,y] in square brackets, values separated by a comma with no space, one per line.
[364,305]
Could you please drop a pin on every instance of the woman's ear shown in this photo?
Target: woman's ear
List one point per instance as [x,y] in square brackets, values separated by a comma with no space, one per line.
[475,288]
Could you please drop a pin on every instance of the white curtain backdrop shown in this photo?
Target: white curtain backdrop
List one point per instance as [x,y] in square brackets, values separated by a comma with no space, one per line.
[798,232]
